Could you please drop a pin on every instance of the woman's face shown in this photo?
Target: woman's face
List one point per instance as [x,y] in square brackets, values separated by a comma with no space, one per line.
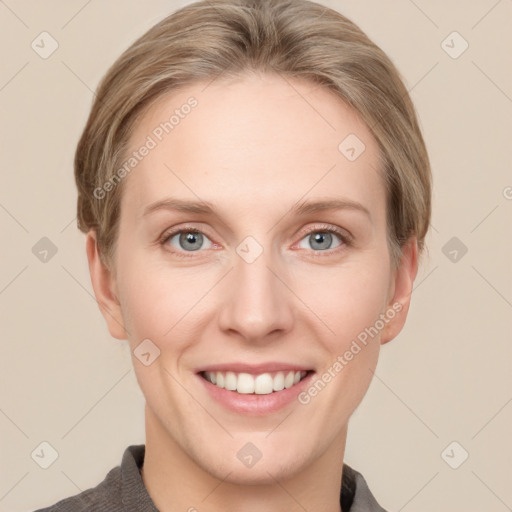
[264,282]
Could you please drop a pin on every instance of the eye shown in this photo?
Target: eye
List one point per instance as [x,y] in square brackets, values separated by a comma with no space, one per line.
[186,240]
[322,239]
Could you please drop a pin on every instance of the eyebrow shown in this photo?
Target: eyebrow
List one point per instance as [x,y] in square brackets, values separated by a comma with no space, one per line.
[301,208]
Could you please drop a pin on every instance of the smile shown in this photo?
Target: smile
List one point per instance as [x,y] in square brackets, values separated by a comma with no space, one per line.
[261,384]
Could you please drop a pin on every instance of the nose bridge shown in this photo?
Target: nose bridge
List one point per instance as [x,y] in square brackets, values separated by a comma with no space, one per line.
[257,303]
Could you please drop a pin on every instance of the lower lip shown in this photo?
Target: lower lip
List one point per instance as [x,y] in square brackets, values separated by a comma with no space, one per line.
[257,405]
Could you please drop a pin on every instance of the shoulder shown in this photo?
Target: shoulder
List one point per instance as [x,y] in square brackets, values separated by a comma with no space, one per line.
[361,498]
[121,488]
[108,492]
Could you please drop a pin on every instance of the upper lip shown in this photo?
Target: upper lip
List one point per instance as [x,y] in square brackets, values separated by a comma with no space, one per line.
[253,368]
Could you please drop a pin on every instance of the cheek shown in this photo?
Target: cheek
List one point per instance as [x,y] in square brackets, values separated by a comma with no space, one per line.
[156,300]
[350,300]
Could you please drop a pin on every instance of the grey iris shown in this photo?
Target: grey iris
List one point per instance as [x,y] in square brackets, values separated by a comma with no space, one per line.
[192,238]
[324,239]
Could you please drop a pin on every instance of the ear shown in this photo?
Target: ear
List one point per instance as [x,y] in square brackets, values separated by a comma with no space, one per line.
[400,291]
[104,287]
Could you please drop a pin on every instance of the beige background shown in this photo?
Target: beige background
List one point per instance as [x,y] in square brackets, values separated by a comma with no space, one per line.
[446,377]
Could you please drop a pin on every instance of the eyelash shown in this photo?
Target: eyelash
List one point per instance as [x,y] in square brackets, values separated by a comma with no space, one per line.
[345,239]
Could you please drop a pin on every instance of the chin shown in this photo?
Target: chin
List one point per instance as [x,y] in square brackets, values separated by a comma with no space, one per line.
[239,469]
[257,475]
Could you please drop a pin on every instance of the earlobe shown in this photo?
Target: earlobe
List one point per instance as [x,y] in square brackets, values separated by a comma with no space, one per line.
[403,281]
[104,287]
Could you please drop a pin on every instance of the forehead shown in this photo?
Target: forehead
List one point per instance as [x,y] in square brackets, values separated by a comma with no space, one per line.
[253,142]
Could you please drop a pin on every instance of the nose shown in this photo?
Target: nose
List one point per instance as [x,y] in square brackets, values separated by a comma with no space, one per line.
[256,304]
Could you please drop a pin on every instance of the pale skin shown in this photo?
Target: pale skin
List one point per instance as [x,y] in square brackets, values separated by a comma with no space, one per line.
[253,148]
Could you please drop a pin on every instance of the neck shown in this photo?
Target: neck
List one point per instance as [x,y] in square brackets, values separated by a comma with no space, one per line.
[175,480]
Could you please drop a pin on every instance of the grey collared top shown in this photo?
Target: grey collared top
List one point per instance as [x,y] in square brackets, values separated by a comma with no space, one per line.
[123,490]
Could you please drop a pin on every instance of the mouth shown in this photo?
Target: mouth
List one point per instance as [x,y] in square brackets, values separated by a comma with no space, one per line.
[254,389]
[255,384]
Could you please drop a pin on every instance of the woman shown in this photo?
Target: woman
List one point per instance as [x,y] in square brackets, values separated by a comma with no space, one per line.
[255,193]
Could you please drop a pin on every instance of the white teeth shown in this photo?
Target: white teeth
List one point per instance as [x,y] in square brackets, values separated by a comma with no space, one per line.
[245,383]
[230,381]
[262,384]
[279,381]
[288,380]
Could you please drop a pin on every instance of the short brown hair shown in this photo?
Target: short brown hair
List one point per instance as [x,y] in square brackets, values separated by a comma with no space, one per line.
[295,38]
